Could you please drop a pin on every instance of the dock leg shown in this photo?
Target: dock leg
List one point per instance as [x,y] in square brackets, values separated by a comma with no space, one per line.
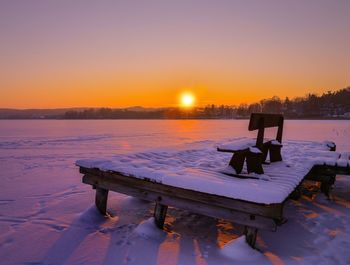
[250,235]
[159,214]
[296,194]
[326,185]
[101,200]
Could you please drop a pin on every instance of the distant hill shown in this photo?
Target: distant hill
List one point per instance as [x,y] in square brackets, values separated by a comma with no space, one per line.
[140,108]
[35,113]
[6,113]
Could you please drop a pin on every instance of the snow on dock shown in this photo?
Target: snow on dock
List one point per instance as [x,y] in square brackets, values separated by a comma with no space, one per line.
[203,169]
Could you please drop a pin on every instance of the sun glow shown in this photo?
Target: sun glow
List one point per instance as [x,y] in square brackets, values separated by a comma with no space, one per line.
[187,100]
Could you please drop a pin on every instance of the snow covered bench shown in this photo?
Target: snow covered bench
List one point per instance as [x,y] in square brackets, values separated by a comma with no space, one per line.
[193,180]
[255,154]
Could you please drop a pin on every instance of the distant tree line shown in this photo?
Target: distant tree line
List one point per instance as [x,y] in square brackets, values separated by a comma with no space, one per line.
[328,105]
[108,113]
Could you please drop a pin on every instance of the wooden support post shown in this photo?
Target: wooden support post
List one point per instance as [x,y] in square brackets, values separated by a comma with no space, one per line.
[275,153]
[261,131]
[250,235]
[265,151]
[296,194]
[325,188]
[254,162]
[101,200]
[159,214]
[326,185]
[280,129]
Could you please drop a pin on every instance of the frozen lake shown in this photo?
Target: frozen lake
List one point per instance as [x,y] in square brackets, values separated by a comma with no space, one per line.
[85,137]
[46,213]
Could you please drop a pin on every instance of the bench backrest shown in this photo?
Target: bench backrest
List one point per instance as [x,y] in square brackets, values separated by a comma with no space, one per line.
[260,121]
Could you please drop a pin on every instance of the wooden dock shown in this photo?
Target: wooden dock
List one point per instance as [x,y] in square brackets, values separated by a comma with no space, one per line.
[253,216]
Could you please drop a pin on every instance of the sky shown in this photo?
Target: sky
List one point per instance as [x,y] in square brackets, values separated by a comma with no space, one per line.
[87,53]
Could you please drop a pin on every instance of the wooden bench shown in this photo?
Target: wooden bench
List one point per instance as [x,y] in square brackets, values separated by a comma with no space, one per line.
[256,155]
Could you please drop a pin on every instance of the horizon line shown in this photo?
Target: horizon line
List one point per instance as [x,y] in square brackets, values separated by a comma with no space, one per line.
[174,105]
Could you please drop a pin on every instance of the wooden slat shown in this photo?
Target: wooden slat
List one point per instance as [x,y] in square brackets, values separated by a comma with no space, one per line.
[270,120]
[270,210]
[182,203]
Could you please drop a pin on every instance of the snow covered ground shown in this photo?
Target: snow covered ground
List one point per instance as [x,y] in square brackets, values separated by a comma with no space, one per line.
[47,215]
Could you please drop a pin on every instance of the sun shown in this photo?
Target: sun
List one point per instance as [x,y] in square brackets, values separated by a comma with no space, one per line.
[187,100]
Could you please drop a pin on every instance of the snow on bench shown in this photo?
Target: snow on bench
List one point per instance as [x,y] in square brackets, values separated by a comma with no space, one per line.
[203,169]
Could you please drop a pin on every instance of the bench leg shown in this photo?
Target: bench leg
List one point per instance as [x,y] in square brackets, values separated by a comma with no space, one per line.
[159,214]
[250,235]
[237,161]
[254,163]
[275,153]
[101,200]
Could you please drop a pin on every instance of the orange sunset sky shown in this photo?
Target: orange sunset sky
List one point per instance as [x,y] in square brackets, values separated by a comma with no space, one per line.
[125,53]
